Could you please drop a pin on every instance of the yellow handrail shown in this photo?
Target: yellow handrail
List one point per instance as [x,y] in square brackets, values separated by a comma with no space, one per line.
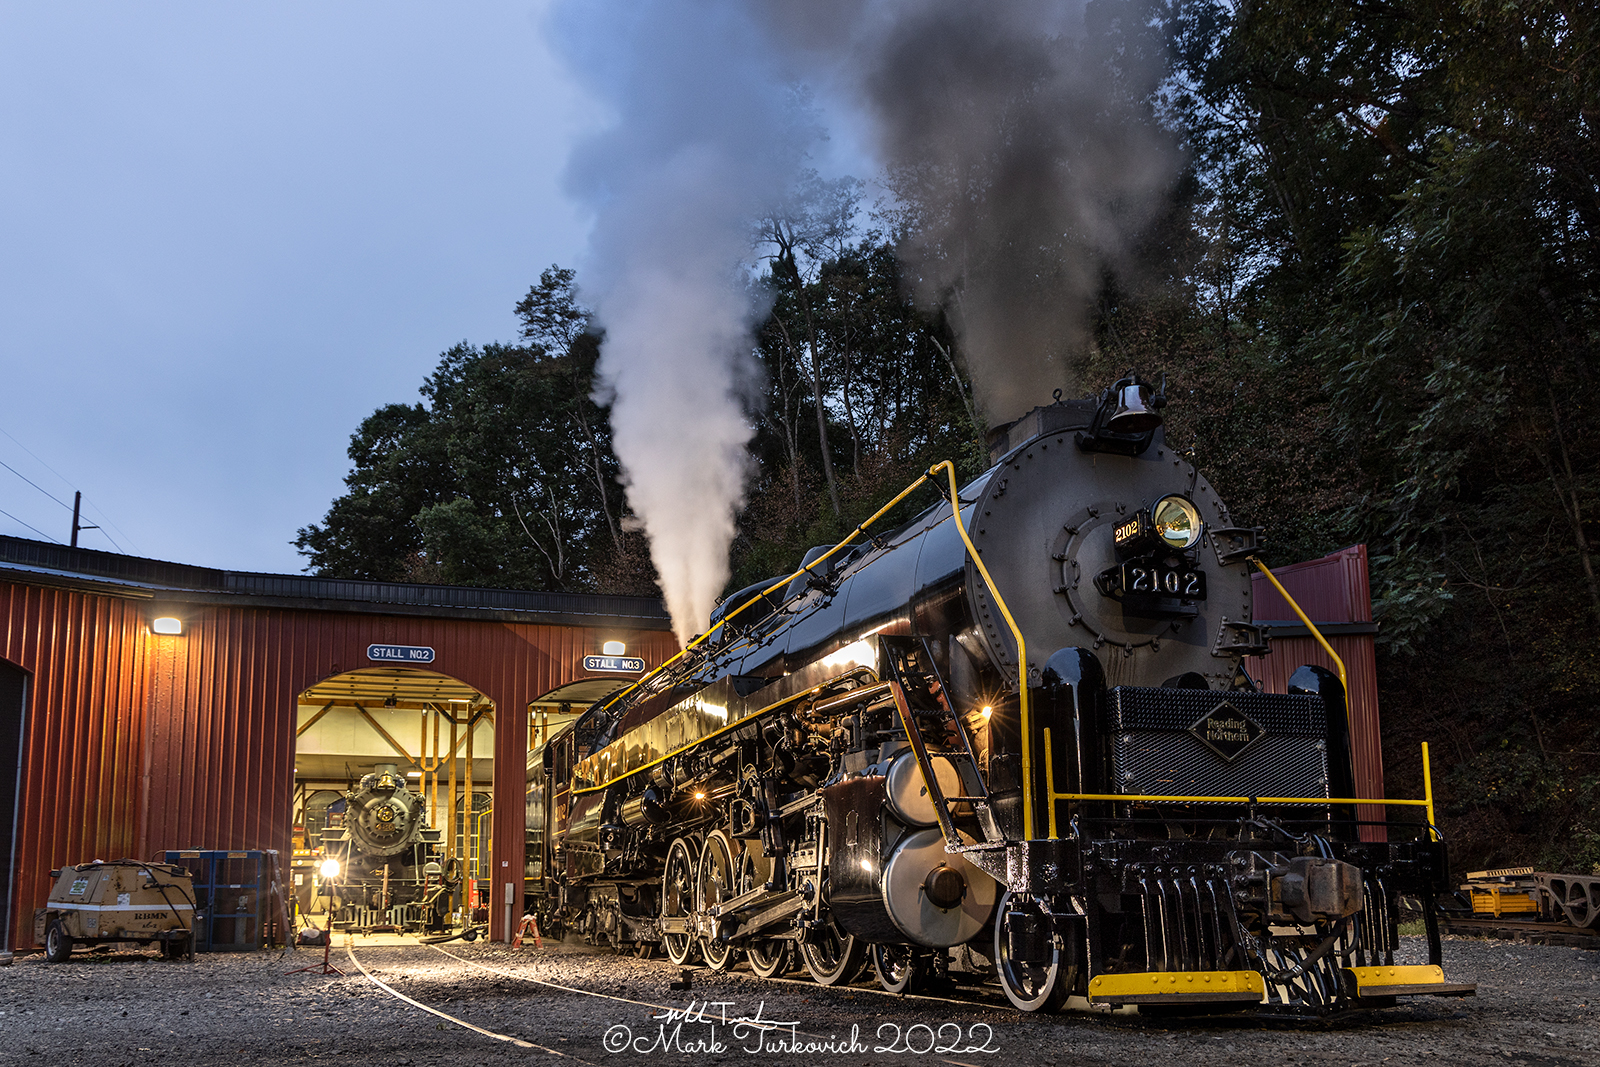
[1163,798]
[1323,641]
[1180,799]
[781,582]
[1427,791]
[949,470]
[1022,651]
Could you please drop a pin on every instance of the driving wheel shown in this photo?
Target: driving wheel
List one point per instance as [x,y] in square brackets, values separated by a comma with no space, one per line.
[677,899]
[714,884]
[768,958]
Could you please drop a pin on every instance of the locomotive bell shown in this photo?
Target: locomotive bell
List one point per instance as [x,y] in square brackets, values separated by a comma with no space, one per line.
[1133,413]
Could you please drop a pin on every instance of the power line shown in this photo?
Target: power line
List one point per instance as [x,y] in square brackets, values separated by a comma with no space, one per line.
[102,516]
[58,500]
[42,463]
[35,529]
[33,483]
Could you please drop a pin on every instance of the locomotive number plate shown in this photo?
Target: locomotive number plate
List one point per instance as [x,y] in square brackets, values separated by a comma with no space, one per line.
[1150,578]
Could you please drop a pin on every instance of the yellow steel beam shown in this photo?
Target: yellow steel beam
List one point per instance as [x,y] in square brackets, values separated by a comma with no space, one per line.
[365,714]
[1157,985]
[309,723]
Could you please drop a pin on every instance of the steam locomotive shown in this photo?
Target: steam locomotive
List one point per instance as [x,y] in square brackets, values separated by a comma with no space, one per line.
[1014,737]
[388,871]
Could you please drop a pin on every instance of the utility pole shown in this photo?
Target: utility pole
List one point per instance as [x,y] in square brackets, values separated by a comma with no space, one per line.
[77,504]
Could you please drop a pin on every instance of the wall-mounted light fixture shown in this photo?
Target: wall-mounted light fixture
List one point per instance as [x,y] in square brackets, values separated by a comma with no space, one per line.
[166,624]
[613,648]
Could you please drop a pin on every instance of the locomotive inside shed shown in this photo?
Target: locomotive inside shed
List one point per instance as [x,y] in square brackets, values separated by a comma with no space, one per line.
[394,775]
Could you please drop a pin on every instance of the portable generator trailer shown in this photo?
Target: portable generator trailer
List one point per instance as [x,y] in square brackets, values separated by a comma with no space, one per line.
[102,902]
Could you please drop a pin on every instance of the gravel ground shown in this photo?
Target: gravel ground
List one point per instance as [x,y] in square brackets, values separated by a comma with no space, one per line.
[1535,1006]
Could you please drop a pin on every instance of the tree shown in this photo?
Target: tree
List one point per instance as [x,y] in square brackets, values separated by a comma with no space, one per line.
[505,476]
[1412,198]
[883,381]
[400,467]
[801,231]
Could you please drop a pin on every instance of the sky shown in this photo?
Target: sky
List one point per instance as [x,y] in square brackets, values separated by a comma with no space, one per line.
[229,232]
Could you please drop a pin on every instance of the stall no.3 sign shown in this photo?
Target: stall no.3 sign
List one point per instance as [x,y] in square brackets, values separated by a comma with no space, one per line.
[617,664]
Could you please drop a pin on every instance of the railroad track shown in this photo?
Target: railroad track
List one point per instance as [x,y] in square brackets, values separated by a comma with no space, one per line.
[1537,933]
[970,998]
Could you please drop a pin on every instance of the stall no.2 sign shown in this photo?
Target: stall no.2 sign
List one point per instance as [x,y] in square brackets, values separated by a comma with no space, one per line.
[400,653]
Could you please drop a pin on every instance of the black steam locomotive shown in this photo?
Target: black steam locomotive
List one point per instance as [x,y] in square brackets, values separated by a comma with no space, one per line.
[388,868]
[1017,743]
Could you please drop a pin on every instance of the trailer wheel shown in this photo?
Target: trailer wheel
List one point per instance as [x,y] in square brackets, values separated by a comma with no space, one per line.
[897,968]
[57,944]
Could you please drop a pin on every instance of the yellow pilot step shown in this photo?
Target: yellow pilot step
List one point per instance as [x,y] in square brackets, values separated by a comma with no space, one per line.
[1406,981]
[1177,987]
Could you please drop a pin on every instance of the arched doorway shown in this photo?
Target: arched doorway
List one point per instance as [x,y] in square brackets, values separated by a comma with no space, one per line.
[13,712]
[549,767]
[414,746]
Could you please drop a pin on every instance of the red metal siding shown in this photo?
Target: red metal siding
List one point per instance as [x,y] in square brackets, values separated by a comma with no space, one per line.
[1331,589]
[78,795]
[138,742]
[1334,590]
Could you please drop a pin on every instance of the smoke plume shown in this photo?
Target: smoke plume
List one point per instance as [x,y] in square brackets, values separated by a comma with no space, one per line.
[1017,138]
[1012,135]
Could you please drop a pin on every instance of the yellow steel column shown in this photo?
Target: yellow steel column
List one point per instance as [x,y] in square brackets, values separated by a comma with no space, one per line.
[1427,791]
[471,806]
[451,851]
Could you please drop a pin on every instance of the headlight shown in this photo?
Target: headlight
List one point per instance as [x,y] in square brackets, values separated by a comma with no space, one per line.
[1177,522]
[330,868]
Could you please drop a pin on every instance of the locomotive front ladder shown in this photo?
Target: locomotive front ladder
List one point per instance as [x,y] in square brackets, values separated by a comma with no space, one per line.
[923,703]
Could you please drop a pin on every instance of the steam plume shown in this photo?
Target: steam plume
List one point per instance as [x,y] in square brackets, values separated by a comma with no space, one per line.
[702,140]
